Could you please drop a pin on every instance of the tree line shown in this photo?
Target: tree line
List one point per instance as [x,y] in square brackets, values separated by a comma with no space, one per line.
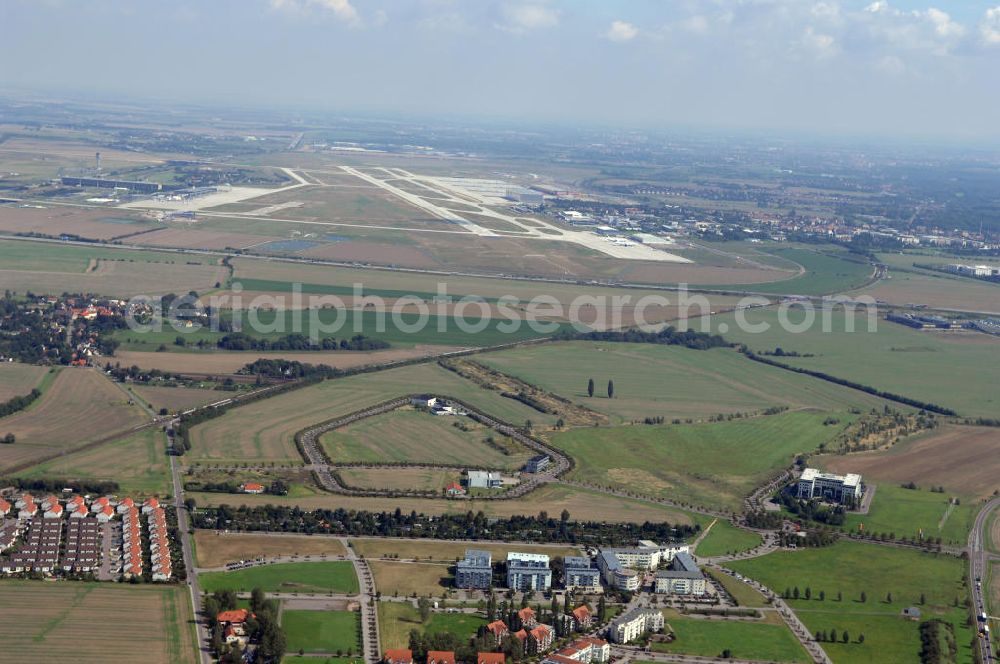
[668,336]
[298,342]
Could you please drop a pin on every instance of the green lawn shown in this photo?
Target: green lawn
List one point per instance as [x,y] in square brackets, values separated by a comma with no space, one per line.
[745,639]
[322,631]
[318,577]
[956,370]
[714,464]
[828,270]
[396,619]
[743,593]
[851,568]
[725,538]
[668,381]
[908,513]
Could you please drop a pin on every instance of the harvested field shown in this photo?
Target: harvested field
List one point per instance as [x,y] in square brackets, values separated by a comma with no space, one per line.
[449,552]
[264,431]
[399,578]
[81,405]
[227,362]
[55,622]
[193,238]
[83,222]
[18,379]
[581,504]
[215,549]
[420,479]
[176,399]
[964,460]
[139,464]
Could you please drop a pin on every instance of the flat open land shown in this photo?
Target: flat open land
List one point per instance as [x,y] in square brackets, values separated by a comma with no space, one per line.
[81,405]
[449,551]
[876,571]
[93,224]
[831,271]
[419,479]
[139,464]
[186,237]
[264,431]
[17,380]
[47,622]
[409,435]
[214,549]
[176,399]
[768,639]
[915,513]
[724,538]
[317,577]
[427,579]
[581,504]
[936,290]
[959,458]
[396,620]
[954,369]
[227,362]
[714,464]
[668,381]
[322,631]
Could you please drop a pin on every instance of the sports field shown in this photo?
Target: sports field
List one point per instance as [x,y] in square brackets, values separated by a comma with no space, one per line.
[667,381]
[713,464]
[322,631]
[581,504]
[877,571]
[724,538]
[139,464]
[768,639]
[46,622]
[396,619]
[954,369]
[312,577]
[962,459]
[408,435]
[80,406]
[264,430]
[215,549]
[18,379]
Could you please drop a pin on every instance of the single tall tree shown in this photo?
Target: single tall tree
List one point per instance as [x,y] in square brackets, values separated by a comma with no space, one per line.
[611,389]
[590,387]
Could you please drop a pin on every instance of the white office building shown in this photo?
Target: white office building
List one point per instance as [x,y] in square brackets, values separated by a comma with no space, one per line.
[828,486]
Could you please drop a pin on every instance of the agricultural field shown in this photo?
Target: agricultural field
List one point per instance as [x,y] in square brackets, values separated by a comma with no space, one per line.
[396,619]
[403,579]
[724,538]
[953,369]
[412,436]
[668,381]
[914,513]
[215,549]
[768,639]
[311,577]
[322,631]
[18,379]
[264,431]
[80,406]
[46,622]
[826,271]
[853,568]
[419,479]
[907,284]
[580,503]
[959,458]
[139,463]
[448,551]
[711,464]
[176,399]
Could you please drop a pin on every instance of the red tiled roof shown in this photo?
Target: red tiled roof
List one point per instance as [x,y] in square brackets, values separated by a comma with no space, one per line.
[398,656]
[491,658]
[498,627]
[541,632]
[526,614]
[521,635]
[581,613]
[440,657]
[235,616]
[253,486]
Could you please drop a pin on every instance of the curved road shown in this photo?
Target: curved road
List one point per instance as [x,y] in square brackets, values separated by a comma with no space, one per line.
[978,567]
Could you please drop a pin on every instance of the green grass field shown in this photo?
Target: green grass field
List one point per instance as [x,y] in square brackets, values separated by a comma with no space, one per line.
[851,568]
[758,640]
[743,593]
[725,538]
[415,436]
[668,381]
[396,619]
[18,379]
[907,513]
[954,369]
[828,270]
[712,464]
[318,577]
[322,631]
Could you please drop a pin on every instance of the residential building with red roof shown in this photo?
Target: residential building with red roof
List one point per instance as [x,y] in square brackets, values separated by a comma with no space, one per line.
[54,512]
[491,658]
[234,616]
[521,635]
[440,657]
[252,487]
[499,630]
[398,656]
[587,650]
[454,489]
[4,507]
[527,616]
[582,617]
[543,637]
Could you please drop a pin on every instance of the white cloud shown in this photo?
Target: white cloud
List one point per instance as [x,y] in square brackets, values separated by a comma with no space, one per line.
[622,31]
[823,45]
[524,17]
[989,27]
[343,10]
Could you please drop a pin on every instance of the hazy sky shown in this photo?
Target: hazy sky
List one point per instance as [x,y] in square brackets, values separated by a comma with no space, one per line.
[892,66]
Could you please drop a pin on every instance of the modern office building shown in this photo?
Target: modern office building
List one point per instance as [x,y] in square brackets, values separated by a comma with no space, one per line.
[682,578]
[618,566]
[537,464]
[528,571]
[475,570]
[827,486]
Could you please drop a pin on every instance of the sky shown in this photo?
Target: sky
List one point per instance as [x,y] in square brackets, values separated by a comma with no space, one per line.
[883,67]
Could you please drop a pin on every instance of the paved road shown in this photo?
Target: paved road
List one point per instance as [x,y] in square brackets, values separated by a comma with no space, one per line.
[978,564]
[370,638]
[193,590]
